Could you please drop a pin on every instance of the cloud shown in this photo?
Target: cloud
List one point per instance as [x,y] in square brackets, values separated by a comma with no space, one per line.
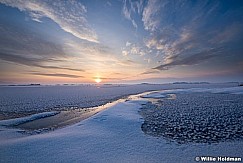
[229,33]
[190,59]
[150,14]
[18,40]
[184,33]
[124,52]
[89,54]
[28,47]
[69,15]
[57,75]
[158,14]
[132,7]
[96,57]
[109,3]
[60,68]
[33,62]
[104,78]
[126,62]
[148,60]
[153,71]
[128,43]
[133,49]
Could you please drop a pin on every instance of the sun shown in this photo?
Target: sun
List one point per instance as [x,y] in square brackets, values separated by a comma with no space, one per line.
[98,80]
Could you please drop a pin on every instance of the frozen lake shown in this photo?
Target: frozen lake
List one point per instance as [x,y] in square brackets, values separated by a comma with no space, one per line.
[132,131]
[50,98]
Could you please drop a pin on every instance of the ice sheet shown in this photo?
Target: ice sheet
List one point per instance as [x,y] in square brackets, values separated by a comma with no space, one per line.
[113,135]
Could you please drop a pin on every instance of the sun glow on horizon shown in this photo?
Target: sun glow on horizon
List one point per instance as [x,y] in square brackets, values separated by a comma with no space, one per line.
[98,80]
[123,42]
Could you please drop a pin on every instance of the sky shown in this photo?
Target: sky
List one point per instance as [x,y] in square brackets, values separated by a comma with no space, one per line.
[120,41]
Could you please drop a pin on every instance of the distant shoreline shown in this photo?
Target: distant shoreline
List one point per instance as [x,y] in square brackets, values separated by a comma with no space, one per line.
[117,84]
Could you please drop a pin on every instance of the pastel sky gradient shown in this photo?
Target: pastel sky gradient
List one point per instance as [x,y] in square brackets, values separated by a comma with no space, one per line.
[129,41]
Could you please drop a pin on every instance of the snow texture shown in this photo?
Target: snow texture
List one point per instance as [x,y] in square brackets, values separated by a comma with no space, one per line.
[163,93]
[55,98]
[113,135]
[195,118]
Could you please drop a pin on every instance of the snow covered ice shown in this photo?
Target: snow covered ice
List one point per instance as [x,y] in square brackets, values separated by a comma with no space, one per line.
[195,117]
[114,135]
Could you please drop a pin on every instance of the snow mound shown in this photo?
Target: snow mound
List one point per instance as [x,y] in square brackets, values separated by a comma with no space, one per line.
[18,121]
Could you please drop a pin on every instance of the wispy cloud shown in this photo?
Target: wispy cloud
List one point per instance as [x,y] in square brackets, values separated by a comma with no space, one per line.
[30,48]
[190,59]
[153,71]
[69,15]
[57,75]
[127,62]
[111,78]
[134,49]
[99,58]
[132,7]
[183,33]
[227,34]
[157,35]
[17,40]
[108,3]
[33,62]
[150,14]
